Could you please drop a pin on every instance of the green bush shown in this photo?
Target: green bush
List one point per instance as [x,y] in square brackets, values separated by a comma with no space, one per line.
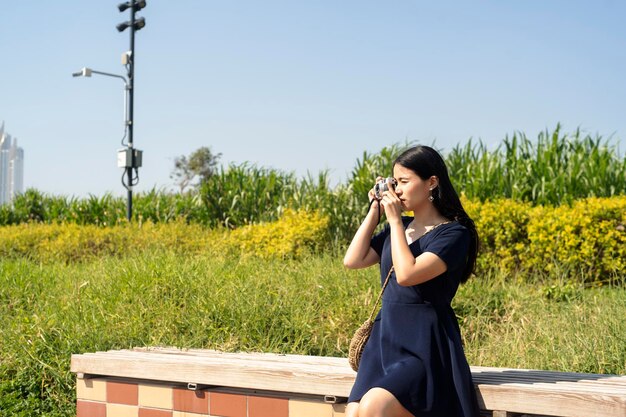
[291,236]
[503,230]
[294,234]
[587,239]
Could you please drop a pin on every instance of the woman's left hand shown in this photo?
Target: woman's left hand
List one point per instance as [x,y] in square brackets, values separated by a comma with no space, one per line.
[392,205]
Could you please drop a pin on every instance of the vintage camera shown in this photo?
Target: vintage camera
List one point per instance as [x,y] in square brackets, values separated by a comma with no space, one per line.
[384,185]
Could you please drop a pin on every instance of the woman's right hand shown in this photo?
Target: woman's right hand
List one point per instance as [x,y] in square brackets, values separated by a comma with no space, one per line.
[374,202]
[359,253]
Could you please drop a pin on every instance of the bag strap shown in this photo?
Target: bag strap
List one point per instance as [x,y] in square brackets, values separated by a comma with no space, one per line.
[380,296]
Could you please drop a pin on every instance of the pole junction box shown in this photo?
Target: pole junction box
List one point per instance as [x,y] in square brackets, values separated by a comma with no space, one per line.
[125,158]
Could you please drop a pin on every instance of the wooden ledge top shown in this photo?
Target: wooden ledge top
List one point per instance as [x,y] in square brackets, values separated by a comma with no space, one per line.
[513,390]
[261,371]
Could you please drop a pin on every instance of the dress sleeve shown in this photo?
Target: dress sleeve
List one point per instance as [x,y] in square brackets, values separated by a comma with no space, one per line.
[451,245]
[378,240]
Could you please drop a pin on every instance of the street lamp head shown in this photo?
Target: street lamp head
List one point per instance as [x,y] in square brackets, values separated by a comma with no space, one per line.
[85,72]
[137,5]
[139,24]
[122,26]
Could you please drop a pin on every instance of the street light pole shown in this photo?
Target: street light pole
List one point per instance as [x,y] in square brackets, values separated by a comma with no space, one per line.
[134,25]
[131,100]
[130,159]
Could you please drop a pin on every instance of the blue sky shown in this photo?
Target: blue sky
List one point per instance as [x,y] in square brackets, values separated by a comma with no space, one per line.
[300,86]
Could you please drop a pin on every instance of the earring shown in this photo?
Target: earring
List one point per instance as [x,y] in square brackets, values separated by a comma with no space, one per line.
[431,198]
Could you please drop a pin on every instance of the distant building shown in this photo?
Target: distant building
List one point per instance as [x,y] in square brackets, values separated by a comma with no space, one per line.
[11,167]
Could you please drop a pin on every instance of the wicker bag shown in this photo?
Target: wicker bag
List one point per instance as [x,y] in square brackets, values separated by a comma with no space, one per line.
[362,334]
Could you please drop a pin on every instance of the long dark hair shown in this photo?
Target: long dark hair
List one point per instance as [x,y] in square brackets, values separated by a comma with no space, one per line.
[426,162]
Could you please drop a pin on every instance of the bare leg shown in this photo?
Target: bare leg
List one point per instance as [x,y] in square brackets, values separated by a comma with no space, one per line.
[379,402]
[352,410]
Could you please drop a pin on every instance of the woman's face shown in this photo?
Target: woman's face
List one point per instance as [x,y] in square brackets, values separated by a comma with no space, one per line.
[411,189]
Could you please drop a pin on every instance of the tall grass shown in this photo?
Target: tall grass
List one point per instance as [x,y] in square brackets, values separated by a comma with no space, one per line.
[557,168]
[49,311]
[369,166]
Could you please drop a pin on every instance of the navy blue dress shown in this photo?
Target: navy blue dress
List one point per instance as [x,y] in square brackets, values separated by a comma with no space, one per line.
[415,349]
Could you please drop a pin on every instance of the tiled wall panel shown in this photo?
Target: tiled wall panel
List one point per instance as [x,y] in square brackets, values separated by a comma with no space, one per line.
[229,405]
[156,396]
[267,407]
[122,393]
[100,397]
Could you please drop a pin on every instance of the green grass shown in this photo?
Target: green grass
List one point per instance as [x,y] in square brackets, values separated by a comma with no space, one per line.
[311,306]
[563,327]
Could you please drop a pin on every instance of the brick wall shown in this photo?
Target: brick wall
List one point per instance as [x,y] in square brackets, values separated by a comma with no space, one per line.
[102,397]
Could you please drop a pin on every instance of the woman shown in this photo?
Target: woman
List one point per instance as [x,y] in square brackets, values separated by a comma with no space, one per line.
[413,363]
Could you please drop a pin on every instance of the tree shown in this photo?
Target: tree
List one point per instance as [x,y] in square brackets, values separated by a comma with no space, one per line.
[201,164]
